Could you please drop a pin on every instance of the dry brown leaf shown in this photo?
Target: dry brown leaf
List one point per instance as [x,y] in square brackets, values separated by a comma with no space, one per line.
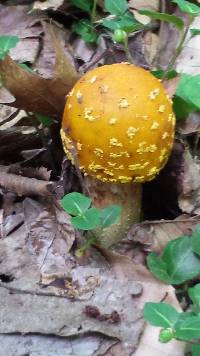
[48,4]
[17,21]
[156,234]
[171,85]
[190,125]
[53,37]
[12,141]
[188,61]
[9,121]
[6,113]
[152,291]
[34,93]
[152,5]
[151,41]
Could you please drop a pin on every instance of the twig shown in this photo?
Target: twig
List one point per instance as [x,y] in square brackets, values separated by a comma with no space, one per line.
[25,186]
[39,294]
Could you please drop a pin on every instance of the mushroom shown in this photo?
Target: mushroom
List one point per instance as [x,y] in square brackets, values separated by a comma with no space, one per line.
[119,121]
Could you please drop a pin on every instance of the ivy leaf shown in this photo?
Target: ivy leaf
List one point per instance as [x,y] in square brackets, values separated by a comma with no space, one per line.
[87,221]
[85,5]
[6,43]
[188,7]
[163,17]
[75,203]
[116,7]
[85,30]
[109,215]
[160,314]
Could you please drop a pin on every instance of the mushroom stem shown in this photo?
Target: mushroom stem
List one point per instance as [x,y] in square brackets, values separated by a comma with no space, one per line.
[128,196]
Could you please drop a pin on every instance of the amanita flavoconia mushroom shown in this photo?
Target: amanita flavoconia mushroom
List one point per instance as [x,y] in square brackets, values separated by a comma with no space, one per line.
[119,121]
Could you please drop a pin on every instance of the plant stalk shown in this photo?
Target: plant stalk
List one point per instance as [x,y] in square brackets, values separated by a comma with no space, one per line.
[127,51]
[178,50]
[93,14]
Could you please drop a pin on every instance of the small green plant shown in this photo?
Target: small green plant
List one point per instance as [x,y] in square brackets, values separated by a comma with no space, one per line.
[179,263]
[180,260]
[183,326]
[86,217]
[120,22]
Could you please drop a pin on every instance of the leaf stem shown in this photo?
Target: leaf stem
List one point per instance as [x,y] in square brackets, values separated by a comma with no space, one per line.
[178,50]
[127,50]
[93,14]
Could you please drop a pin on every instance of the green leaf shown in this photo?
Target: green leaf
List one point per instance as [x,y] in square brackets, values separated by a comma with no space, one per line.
[6,43]
[88,221]
[127,23]
[85,5]
[75,203]
[160,314]
[187,7]
[44,120]
[194,294]
[196,240]
[195,350]
[116,7]
[182,264]
[181,108]
[158,267]
[163,17]
[188,328]
[160,73]
[195,31]
[178,262]
[188,89]
[85,30]
[109,215]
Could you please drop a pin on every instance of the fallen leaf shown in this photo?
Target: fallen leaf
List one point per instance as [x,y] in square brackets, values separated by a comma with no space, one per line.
[150,46]
[189,199]
[152,5]
[188,61]
[34,93]
[190,125]
[48,4]
[155,235]
[171,85]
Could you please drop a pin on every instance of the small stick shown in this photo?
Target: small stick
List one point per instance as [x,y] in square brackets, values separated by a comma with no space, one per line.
[25,186]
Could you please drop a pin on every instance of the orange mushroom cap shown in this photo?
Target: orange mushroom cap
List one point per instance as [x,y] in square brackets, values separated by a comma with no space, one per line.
[120,122]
